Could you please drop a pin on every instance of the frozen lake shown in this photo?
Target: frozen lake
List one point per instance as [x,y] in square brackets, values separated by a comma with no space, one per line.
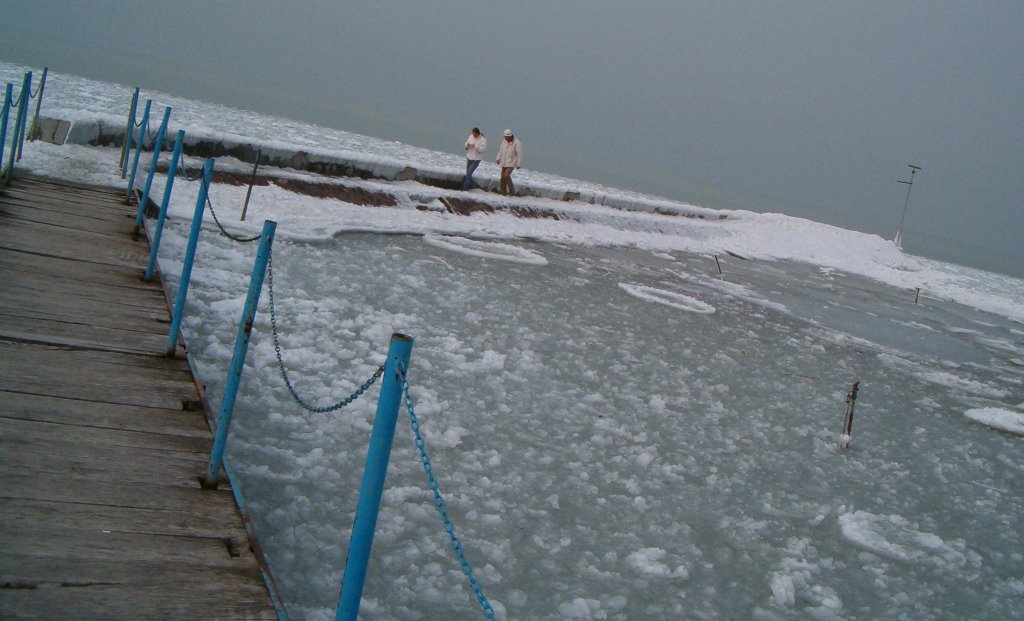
[624,434]
[620,431]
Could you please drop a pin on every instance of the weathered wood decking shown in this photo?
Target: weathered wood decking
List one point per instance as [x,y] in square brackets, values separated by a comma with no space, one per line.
[101,513]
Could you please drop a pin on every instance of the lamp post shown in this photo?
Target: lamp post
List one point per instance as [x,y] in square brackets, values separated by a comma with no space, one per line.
[898,240]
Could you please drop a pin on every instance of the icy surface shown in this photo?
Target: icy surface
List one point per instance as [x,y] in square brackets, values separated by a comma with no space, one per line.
[609,448]
[998,418]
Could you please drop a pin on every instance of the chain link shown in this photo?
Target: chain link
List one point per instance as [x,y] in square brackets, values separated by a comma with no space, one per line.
[223,231]
[184,170]
[38,88]
[442,509]
[280,359]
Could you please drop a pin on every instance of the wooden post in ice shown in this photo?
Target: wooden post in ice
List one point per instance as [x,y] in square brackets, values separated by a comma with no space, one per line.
[917,294]
[851,402]
[898,240]
[718,264]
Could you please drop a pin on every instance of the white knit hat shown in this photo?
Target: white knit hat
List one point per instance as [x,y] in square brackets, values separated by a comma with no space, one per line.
[508,132]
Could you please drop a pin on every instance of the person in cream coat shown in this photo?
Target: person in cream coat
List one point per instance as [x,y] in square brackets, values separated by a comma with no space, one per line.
[510,157]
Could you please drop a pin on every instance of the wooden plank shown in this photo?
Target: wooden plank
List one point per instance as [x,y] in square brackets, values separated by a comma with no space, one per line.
[89,233]
[206,520]
[40,302]
[98,589]
[77,245]
[176,368]
[91,488]
[29,263]
[30,180]
[23,435]
[82,204]
[54,215]
[79,335]
[144,472]
[103,415]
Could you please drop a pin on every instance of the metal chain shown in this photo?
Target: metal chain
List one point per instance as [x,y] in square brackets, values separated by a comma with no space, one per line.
[36,94]
[223,231]
[442,509]
[280,359]
[184,171]
[17,101]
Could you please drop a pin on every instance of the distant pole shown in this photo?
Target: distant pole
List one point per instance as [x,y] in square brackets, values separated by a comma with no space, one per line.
[851,403]
[910,184]
[128,130]
[248,193]
[34,127]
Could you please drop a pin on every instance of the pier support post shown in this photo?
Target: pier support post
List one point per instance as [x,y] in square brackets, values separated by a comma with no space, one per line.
[158,146]
[372,487]
[5,114]
[172,170]
[190,256]
[227,408]
[26,90]
[138,150]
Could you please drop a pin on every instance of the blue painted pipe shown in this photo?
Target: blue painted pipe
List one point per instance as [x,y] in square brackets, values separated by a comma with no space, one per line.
[138,150]
[19,136]
[190,256]
[157,147]
[158,232]
[372,487]
[6,114]
[126,148]
[252,299]
[26,86]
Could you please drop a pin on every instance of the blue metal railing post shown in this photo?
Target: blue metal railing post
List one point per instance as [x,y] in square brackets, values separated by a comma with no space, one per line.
[158,145]
[33,128]
[126,148]
[6,114]
[26,87]
[19,136]
[190,256]
[138,150]
[252,299]
[172,170]
[372,487]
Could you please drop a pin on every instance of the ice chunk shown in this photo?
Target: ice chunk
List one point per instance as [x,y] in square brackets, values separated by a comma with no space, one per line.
[998,418]
[486,249]
[892,537]
[648,561]
[668,298]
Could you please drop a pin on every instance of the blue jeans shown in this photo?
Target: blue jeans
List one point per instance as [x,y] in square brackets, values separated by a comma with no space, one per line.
[468,183]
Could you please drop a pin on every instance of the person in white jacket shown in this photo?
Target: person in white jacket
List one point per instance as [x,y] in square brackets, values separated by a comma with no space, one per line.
[510,157]
[476,144]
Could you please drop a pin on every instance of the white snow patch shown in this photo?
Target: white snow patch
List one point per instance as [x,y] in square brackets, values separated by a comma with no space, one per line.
[668,298]
[998,418]
[486,249]
[892,537]
[648,561]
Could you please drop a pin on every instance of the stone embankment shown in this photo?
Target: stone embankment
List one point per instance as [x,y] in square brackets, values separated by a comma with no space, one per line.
[97,132]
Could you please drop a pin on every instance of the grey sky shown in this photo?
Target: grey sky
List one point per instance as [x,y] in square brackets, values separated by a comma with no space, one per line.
[807,108]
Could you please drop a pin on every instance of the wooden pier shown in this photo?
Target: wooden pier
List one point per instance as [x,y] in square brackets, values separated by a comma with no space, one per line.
[102,437]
